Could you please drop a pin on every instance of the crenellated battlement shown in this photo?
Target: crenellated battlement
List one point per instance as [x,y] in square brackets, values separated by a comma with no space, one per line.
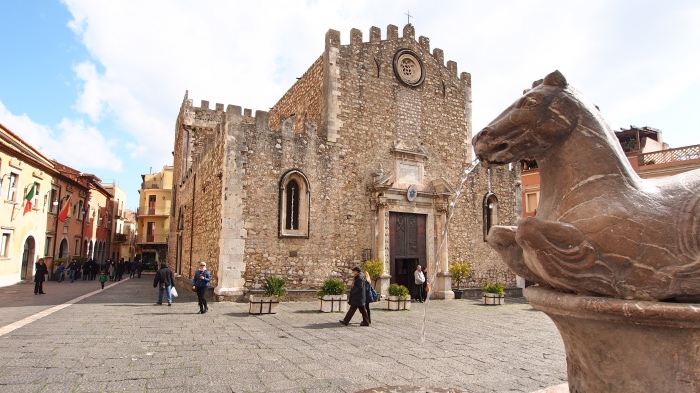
[392,33]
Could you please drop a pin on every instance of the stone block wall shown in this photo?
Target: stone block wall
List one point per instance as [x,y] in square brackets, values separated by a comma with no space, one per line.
[300,106]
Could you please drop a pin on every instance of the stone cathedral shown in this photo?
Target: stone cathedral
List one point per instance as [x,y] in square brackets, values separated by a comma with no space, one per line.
[357,160]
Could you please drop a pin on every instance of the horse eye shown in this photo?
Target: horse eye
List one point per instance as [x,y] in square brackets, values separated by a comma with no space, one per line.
[530,102]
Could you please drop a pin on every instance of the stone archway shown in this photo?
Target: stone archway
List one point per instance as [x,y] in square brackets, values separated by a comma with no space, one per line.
[28,258]
[63,249]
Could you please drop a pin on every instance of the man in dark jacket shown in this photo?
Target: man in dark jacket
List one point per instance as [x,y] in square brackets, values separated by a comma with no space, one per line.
[357,298]
[164,280]
[72,269]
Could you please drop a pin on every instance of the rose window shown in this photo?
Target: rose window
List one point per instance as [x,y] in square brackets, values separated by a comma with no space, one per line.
[408,68]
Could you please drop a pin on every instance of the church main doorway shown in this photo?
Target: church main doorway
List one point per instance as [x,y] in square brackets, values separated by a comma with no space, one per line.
[407,246]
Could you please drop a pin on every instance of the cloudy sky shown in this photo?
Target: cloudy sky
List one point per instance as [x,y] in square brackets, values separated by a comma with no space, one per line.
[97,84]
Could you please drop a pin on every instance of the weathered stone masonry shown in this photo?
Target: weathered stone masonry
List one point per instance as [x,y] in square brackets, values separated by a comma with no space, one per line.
[361,135]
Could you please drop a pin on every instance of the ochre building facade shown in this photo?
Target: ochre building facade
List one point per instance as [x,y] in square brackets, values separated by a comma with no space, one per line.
[359,159]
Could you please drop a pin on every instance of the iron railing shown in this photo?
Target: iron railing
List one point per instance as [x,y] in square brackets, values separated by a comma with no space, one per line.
[670,155]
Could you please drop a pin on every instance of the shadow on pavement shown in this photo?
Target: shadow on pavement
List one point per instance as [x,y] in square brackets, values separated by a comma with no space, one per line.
[325,325]
[238,314]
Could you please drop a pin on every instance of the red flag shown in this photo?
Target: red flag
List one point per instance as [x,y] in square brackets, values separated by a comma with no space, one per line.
[64,211]
[30,199]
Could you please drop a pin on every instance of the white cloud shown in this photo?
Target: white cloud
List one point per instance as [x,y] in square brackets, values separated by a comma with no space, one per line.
[75,144]
[626,57]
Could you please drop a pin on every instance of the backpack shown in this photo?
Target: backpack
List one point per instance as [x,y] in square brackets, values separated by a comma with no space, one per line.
[371,295]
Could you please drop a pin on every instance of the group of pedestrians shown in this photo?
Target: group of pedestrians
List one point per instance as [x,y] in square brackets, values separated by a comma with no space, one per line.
[361,295]
[116,270]
[165,282]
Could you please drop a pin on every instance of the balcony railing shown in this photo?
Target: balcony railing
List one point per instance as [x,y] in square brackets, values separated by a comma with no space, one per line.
[151,238]
[670,155]
[154,211]
[120,238]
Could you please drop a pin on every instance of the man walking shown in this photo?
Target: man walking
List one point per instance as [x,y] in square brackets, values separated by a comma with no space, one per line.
[72,269]
[419,281]
[357,298]
[164,280]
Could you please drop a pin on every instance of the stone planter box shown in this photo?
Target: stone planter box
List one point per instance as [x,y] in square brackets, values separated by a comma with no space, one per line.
[493,299]
[263,305]
[334,303]
[395,304]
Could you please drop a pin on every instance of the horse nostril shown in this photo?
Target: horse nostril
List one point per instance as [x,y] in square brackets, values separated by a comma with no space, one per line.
[501,147]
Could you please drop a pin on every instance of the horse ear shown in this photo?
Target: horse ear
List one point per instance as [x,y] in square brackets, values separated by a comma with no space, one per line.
[555,79]
[537,83]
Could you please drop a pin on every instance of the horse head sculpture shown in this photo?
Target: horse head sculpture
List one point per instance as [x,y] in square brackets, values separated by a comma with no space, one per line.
[599,229]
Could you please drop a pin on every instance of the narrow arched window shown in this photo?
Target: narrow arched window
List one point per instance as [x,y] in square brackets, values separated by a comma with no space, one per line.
[490,212]
[292,196]
[294,205]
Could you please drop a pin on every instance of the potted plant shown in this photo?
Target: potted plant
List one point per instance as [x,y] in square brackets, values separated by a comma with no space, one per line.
[375,268]
[398,298]
[493,294]
[332,296]
[267,304]
[460,272]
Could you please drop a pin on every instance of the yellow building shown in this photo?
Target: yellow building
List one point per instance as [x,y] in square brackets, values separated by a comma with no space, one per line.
[153,215]
[22,236]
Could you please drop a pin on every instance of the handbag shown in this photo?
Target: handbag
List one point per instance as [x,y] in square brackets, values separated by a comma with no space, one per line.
[173,291]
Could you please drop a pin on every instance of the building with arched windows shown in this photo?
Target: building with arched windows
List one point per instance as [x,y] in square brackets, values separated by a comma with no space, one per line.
[359,159]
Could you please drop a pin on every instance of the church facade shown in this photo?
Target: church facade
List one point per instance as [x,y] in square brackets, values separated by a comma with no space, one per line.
[359,159]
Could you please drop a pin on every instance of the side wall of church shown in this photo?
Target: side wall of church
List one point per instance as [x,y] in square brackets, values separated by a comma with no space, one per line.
[197,210]
[466,240]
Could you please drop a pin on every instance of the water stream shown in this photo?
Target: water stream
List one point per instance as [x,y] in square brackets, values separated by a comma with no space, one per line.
[443,237]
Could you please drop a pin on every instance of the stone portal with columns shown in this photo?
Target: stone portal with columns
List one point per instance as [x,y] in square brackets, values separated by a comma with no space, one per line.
[405,189]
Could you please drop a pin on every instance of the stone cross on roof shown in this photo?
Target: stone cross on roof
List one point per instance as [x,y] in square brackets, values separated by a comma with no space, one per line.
[409,16]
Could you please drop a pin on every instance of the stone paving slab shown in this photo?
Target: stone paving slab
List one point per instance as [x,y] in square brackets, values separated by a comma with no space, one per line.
[118,340]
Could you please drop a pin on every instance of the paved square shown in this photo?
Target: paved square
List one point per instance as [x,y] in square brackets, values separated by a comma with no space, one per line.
[118,340]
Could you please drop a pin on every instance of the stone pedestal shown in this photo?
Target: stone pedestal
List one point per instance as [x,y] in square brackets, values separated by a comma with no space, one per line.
[443,286]
[383,284]
[615,345]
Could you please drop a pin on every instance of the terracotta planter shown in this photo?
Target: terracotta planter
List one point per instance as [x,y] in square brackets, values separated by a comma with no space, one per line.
[615,345]
[394,303]
[492,299]
[334,303]
[263,305]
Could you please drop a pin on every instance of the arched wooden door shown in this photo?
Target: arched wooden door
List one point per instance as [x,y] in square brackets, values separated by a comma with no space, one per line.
[28,258]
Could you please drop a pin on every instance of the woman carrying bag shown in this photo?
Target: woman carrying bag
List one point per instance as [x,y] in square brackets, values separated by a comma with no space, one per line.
[200,283]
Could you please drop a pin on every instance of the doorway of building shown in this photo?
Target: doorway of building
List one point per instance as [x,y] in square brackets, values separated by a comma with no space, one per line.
[28,258]
[406,246]
[63,249]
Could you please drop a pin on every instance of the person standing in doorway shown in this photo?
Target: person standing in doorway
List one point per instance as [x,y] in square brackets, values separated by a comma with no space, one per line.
[419,280]
[39,277]
[164,280]
[200,283]
[357,298]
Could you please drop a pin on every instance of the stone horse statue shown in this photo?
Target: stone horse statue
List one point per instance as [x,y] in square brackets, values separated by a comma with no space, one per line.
[600,229]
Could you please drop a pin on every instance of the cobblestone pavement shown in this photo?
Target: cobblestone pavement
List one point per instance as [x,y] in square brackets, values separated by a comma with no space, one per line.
[118,340]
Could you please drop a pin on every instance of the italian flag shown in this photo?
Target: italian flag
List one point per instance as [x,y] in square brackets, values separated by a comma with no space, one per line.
[30,199]
[64,211]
